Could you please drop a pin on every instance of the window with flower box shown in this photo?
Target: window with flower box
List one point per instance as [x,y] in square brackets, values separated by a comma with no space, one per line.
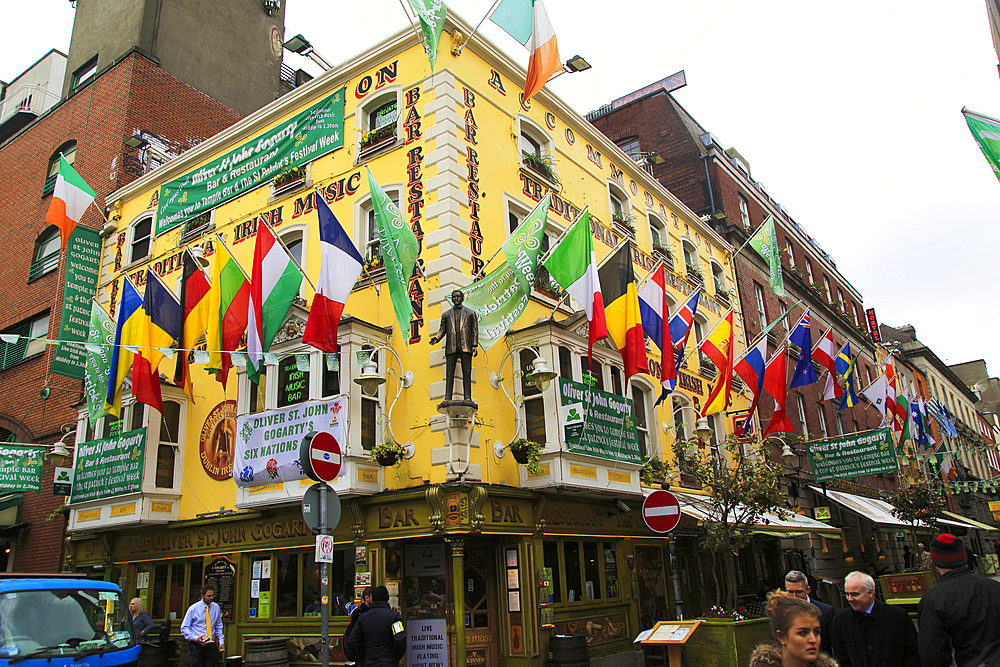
[379,123]
[536,151]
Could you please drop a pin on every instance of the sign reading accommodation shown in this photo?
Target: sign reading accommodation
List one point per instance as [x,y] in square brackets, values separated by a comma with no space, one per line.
[294,142]
[83,263]
[598,422]
[852,456]
[21,468]
[109,467]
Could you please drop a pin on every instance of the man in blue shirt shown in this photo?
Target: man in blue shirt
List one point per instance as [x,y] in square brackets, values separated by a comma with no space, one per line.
[202,628]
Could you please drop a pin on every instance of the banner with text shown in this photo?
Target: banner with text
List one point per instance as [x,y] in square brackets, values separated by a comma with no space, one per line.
[598,422]
[267,443]
[852,456]
[21,468]
[83,264]
[109,467]
[300,139]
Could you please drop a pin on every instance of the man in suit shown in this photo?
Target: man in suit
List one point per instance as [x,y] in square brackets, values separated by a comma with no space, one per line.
[461,327]
[871,633]
[797,584]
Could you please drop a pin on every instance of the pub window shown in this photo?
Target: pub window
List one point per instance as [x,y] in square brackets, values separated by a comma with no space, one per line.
[590,570]
[593,372]
[171,587]
[379,123]
[565,363]
[550,552]
[166,451]
[536,149]
[293,384]
[368,242]
[534,402]
[288,584]
[141,234]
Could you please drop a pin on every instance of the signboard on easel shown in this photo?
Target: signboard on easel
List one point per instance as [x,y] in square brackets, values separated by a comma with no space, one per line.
[672,635]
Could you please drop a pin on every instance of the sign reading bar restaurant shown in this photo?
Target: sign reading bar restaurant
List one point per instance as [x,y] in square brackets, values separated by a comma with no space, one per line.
[302,138]
[598,422]
[83,263]
[852,456]
[109,467]
[267,443]
[21,468]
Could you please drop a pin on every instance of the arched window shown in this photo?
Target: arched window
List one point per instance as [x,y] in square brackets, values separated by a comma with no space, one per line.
[68,151]
[620,209]
[378,119]
[659,241]
[142,235]
[640,400]
[534,403]
[46,257]
[536,150]
[367,236]
[692,264]
[684,416]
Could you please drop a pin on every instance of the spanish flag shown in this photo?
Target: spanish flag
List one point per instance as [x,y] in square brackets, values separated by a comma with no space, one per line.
[719,348]
[621,310]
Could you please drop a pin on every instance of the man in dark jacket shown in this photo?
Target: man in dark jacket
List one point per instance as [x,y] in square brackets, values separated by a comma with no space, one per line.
[870,633]
[960,613]
[366,602]
[797,584]
[379,638]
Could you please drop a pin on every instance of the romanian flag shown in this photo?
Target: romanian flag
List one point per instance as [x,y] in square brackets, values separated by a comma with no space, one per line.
[228,303]
[126,333]
[159,325]
[527,22]
[621,310]
[70,198]
[719,348]
[194,306]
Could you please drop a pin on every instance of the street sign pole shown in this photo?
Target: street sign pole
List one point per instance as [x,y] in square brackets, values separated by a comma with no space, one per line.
[324,581]
[678,605]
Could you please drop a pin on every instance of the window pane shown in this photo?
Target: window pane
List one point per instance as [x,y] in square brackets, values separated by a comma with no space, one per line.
[639,404]
[592,572]
[159,606]
[550,551]
[610,571]
[342,579]
[616,381]
[170,422]
[574,577]
[48,245]
[286,593]
[258,392]
[138,416]
[565,363]
[534,419]
[367,423]
[177,606]
[527,365]
[265,586]
[293,384]
[165,466]
[311,601]
[294,248]
[331,379]
[383,115]
[194,580]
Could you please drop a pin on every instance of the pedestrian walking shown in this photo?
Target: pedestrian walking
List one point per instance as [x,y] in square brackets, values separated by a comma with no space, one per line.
[141,622]
[872,633]
[923,557]
[960,614]
[202,628]
[907,557]
[797,584]
[795,632]
[366,601]
[379,638]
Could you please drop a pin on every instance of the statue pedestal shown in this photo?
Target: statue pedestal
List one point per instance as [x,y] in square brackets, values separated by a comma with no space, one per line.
[461,420]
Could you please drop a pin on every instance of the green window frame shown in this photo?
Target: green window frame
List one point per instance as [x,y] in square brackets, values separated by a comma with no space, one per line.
[46,257]
[31,334]
[289,581]
[583,571]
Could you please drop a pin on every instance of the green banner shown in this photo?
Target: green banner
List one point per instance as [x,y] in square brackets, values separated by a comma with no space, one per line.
[598,422]
[21,468]
[765,242]
[500,298]
[109,467]
[300,139]
[987,134]
[101,340]
[431,14]
[398,245]
[852,455]
[83,265]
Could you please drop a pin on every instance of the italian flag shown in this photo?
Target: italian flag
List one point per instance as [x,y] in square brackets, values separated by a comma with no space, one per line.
[574,266]
[70,199]
[228,304]
[274,284]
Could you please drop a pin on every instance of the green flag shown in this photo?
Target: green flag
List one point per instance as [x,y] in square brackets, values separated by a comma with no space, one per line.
[986,131]
[500,298]
[100,344]
[399,250]
[431,14]
[765,242]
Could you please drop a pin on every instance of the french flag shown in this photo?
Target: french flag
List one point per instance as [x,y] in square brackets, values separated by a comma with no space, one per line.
[653,310]
[751,369]
[340,266]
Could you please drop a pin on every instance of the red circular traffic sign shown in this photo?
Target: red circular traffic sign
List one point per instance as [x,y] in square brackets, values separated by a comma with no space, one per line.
[324,456]
[661,511]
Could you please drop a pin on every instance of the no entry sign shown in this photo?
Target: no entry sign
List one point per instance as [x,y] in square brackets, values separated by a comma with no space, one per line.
[320,456]
[661,511]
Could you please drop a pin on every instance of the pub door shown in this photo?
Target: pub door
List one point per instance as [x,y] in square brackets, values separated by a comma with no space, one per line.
[482,632]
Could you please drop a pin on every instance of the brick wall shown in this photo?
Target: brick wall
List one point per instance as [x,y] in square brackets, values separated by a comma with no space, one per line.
[133,95]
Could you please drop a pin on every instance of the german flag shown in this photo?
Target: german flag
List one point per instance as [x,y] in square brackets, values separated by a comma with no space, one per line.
[621,310]
[194,304]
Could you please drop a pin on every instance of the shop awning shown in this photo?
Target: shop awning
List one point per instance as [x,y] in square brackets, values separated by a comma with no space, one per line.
[970,522]
[791,525]
[873,509]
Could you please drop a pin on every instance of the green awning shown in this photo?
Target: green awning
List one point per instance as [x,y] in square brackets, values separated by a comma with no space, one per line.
[971,522]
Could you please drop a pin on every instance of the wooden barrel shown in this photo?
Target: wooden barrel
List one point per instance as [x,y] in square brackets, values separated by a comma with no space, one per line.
[568,651]
[266,652]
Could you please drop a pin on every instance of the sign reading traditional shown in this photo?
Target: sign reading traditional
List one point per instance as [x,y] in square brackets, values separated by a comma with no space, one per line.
[109,467]
[302,138]
[267,443]
[83,263]
[21,468]
[852,455]
[598,422]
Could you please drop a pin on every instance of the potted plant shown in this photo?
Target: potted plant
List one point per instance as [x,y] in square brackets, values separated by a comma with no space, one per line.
[653,468]
[526,452]
[664,253]
[541,165]
[373,139]
[288,178]
[387,453]
[694,273]
[625,221]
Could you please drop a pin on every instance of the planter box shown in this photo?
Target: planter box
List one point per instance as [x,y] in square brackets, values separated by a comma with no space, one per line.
[719,642]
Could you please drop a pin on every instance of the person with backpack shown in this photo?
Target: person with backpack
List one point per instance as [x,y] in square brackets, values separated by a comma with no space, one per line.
[366,601]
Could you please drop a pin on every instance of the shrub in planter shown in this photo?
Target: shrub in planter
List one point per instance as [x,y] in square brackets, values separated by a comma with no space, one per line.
[387,454]
[526,452]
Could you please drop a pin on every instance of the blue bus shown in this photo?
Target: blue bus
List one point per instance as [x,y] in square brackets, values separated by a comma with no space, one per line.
[60,621]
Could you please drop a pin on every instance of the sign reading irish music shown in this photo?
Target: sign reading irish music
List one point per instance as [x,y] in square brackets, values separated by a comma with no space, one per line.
[852,455]
[109,467]
[598,422]
[293,142]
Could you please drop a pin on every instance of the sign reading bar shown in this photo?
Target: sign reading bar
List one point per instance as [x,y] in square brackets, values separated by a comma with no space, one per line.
[295,141]
[598,422]
[852,456]
[21,468]
[83,263]
[109,467]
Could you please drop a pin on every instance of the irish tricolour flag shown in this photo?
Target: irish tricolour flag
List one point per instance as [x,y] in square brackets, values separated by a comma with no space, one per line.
[573,265]
[527,22]
[70,198]
[274,284]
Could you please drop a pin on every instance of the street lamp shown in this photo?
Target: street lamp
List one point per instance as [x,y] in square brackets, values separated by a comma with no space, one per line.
[303,47]
[60,452]
[541,377]
[370,381]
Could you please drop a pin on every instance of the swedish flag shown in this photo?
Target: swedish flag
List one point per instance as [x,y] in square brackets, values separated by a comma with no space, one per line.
[845,369]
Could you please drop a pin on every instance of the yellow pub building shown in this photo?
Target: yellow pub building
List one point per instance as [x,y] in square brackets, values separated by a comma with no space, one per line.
[484,560]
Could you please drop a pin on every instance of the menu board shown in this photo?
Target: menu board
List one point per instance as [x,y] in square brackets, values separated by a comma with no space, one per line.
[221,576]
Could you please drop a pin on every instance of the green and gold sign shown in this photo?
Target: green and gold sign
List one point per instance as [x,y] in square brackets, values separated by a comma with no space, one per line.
[83,264]
[21,468]
[852,455]
[598,422]
[109,467]
[302,138]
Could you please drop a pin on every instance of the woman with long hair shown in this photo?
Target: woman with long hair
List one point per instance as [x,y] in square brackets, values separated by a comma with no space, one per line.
[795,632]
[141,622]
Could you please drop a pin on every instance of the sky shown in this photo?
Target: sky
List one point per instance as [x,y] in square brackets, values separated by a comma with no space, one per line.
[849,113]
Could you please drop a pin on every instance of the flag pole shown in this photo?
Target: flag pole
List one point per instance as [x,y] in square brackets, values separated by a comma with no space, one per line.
[476,29]
[740,249]
[646,277]
[415,31]
[507,238]
[603,262]
[288,252]
[555,245]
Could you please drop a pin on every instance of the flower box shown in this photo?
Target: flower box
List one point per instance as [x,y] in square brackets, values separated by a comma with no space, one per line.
[723,642]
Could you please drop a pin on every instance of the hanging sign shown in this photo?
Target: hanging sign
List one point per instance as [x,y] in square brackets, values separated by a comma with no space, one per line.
[109,467]
[294,142]
[598,422]
[21,468]
[267,443]
[852,456]
[83,264]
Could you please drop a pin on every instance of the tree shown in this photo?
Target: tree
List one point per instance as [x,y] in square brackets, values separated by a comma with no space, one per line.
[919,502]
[741,490]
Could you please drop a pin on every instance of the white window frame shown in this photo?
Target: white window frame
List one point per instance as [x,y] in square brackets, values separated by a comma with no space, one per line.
[297,232]
[822,420]
[130,238]
[809,270]
[38,331]
[744,211]
[680,402]
[719,276]
[840,423]
[362,118]
[526,127]
[758,292]
[658,228]
[650,416]
[826,286]
[790,251]
[362,209]
[617,193]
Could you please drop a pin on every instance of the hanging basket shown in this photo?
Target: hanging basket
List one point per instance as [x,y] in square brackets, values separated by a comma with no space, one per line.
[387,459]
[520,455]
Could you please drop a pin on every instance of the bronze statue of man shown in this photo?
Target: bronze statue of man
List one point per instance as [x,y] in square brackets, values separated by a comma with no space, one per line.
[461,328]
